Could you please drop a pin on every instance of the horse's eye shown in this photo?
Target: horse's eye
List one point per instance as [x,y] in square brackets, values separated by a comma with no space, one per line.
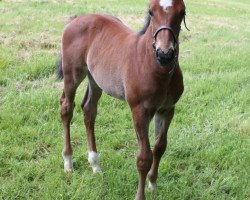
[150,13]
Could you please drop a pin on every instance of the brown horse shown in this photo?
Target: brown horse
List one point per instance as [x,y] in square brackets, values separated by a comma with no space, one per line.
[140,68]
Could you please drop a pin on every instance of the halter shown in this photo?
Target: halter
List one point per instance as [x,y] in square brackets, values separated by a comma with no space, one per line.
[171,31]
[175,42]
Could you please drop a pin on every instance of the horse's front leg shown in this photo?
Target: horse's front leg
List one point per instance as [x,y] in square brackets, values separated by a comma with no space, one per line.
[162,121]
[141,119]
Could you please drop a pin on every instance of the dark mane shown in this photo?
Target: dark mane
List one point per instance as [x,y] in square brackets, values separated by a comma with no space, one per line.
[146,25]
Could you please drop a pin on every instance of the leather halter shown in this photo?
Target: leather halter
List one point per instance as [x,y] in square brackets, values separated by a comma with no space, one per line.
[175,43]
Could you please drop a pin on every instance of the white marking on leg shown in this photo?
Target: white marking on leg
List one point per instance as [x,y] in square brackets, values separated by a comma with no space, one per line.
[68,164]
[93,159]
[166,3]
[152,186]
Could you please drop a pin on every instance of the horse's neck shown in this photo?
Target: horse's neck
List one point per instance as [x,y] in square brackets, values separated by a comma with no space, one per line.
[146,45]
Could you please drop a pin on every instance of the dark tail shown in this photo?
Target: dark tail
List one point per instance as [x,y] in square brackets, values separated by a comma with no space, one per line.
[59,72]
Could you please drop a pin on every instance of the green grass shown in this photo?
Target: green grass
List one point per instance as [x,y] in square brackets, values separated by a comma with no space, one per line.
[208,154]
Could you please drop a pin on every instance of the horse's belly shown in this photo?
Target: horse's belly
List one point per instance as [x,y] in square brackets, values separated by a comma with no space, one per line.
[114,90]
[110,82]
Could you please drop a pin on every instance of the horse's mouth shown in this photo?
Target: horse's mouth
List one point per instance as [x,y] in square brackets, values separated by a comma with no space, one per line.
[165,59]
[165,62]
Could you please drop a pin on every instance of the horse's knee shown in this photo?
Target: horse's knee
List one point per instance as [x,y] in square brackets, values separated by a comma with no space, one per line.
[86,110]
[144,162]
[89,109]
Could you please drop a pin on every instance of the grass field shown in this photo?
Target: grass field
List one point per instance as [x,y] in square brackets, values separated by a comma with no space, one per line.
[208,156]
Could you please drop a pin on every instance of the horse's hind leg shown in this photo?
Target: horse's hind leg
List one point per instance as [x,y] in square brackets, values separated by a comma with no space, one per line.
[162,122]
[89,107]
[71,82]
[67,106]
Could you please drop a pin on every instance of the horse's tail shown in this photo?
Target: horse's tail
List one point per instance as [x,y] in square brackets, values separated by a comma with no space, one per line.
[59,71]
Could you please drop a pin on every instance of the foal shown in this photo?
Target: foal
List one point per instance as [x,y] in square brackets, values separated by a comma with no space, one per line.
[140,68]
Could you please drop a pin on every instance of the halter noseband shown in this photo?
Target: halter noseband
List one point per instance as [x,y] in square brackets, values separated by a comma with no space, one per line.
[171,31]
[166,28]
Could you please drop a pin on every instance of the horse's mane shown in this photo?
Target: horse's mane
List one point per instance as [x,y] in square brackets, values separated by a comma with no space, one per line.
[146,25]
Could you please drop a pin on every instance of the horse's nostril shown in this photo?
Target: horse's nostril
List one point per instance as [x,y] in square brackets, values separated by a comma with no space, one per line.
[165,55]
[159,53]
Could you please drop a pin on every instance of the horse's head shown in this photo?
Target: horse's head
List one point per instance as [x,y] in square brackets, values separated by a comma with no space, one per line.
[166,18]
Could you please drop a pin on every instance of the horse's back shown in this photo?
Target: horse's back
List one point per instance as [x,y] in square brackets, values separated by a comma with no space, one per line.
[92,32]
[93,24]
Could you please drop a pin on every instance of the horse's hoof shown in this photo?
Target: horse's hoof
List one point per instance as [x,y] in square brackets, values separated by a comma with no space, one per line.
[68,164]
[96,169]
[67,170]
[93,159]
[152,186]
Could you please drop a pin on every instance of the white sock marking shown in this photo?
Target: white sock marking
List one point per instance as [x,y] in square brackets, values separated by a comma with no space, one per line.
[68,164]
[152,186]
[166,3]
[93,159]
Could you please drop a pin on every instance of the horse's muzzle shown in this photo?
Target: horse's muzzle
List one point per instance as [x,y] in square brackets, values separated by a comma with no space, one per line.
[165,58]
